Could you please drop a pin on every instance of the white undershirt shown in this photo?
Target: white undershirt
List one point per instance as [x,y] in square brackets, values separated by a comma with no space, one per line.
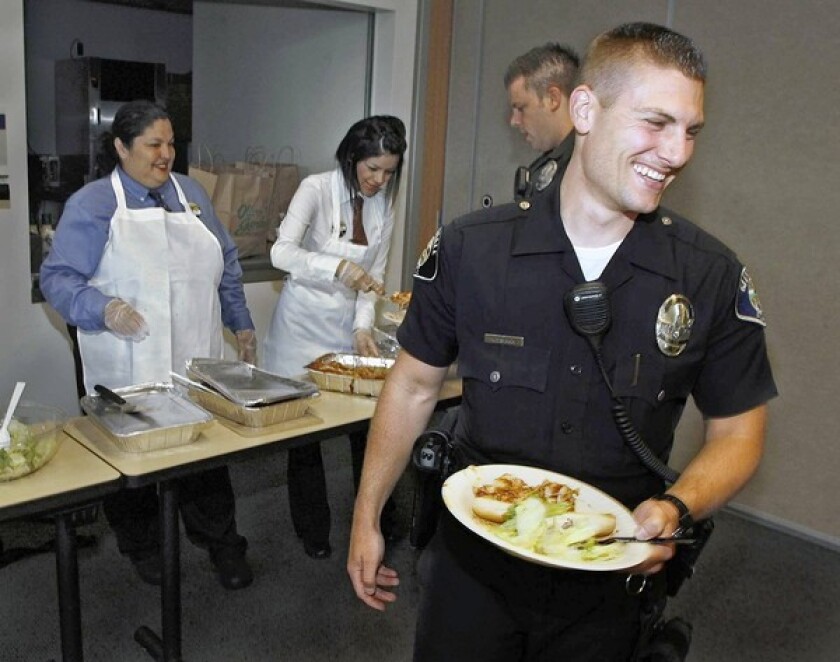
[594,260]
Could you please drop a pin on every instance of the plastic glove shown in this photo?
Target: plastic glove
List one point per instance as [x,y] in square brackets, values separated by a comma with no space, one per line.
[246,346]
[124,321]
[364,344]
[356,278]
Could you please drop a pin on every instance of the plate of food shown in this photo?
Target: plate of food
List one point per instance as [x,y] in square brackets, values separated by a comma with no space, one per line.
[544,517]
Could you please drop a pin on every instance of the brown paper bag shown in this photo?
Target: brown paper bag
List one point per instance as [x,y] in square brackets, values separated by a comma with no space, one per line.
[204,173]
[242,199]
[286,179]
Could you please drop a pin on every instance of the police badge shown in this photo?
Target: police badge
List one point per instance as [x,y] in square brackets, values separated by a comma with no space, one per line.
[427,264]
[673,324]
[545,175]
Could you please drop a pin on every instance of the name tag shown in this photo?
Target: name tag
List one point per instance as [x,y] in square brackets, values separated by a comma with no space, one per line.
[498,339]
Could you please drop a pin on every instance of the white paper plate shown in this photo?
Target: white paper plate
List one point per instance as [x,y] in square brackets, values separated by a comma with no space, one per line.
[458,497]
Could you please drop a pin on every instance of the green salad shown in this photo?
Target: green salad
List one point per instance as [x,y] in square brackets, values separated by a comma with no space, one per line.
[30,449]
[553,530]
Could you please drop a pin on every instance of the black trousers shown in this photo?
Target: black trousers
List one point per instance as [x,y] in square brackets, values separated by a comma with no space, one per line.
[308,502]
[479,603]
[207,506]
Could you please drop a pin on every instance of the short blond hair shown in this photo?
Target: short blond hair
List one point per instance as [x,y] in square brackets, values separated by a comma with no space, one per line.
[611,54]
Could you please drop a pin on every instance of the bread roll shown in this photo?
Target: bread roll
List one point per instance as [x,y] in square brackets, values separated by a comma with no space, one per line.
[491,509]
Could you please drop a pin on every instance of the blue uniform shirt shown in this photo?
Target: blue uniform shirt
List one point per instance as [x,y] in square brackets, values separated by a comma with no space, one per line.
[84,229]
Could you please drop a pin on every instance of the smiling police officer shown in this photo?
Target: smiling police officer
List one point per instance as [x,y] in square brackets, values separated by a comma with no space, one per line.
[489,292]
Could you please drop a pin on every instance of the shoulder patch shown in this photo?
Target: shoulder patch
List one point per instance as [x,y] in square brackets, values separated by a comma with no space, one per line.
[747,304]
[427,264]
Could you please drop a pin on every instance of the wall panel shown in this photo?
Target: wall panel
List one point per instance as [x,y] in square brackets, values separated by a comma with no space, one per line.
[764,179]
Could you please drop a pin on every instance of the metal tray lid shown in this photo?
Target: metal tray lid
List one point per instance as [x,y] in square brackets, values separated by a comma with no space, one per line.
[246,384]
[159,407]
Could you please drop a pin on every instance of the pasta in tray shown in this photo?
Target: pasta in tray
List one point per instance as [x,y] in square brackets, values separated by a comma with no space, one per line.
[325,364]
[350,373]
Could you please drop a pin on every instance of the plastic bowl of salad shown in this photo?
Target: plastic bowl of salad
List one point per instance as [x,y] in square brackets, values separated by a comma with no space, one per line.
[35,432]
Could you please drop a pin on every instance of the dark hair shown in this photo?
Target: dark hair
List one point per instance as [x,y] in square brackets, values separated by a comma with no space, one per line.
[372,136]
[130,121]
[549,64]
[611,53]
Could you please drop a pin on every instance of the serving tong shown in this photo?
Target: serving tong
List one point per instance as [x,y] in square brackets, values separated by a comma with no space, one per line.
[116,401]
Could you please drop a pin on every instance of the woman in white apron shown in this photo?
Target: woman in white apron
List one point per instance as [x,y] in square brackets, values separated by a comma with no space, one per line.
[143,268]
[335,258]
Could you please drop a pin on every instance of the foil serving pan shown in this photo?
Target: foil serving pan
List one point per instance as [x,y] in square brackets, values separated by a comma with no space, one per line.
[350,373]
[252,417]
[245,384]
[163,418]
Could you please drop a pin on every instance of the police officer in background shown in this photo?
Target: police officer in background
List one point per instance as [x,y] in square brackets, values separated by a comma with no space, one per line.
[538,85]
[489,293]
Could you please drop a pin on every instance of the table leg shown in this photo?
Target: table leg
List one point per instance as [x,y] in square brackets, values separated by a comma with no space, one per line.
[169,649]
[67,569]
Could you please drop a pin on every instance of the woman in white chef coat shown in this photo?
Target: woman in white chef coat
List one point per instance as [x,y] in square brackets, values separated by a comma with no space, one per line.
[335,257]
[146,272]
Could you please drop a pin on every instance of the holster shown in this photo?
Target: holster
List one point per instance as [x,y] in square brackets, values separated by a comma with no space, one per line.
[434,459]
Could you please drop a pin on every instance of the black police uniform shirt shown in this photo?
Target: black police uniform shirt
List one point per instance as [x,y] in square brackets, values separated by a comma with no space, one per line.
[488,291]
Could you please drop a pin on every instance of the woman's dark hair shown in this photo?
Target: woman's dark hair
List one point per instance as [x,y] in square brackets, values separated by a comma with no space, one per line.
[130,121]
[372,136]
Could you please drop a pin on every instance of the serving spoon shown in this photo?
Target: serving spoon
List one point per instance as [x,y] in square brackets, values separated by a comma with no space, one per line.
[5,437]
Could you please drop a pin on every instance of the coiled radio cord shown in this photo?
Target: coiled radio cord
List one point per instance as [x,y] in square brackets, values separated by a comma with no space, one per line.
[629,433]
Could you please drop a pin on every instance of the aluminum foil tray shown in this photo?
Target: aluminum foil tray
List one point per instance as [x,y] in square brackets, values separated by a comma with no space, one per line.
[350,373]
[164,418]
[252,417]
[246,385]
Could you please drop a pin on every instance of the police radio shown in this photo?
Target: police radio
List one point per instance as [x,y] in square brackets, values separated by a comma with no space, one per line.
[521,183]
[588,309]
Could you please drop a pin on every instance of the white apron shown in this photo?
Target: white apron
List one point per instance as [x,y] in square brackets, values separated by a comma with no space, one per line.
[314,318]
[168,266]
